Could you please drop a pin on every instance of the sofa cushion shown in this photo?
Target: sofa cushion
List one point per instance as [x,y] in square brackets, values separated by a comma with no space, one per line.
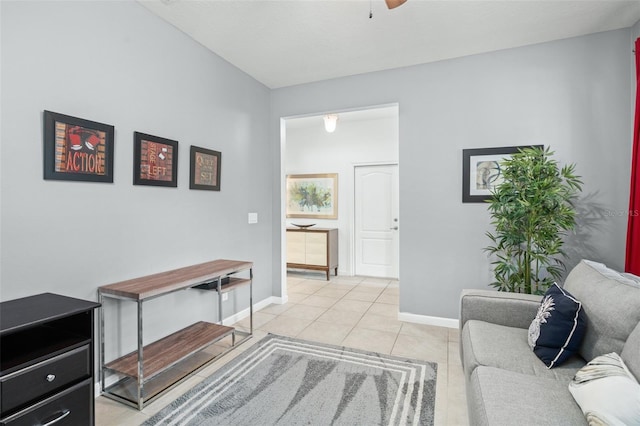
[631,352]
[499,346]
[499,397]
[611,304]
[607,392]
[558,328]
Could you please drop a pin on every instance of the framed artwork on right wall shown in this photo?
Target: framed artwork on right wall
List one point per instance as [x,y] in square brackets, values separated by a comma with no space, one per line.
[482,171]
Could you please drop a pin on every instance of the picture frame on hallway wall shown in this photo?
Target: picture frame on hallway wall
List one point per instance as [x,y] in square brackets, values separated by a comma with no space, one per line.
[155,160]
[76,149]
[313,196]
[204,172]
[481,171]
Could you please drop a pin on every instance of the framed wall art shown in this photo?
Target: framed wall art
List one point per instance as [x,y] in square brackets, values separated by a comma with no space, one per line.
[77,149]
[155,160]
[313,196]
[205,169]
[481,171]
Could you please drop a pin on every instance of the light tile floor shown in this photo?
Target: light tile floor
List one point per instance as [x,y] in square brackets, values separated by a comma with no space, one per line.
[357,312]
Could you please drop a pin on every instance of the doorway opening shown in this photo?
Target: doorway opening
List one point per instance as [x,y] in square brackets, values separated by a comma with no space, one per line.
[366,137]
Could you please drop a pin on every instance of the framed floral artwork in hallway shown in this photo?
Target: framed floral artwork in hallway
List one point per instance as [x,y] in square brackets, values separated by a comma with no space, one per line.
[313,196]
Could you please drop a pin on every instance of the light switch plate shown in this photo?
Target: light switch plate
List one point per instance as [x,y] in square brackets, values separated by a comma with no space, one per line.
[253,217]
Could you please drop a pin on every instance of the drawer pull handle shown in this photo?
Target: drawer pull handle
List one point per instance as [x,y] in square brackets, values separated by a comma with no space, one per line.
[51,377]
[62,415]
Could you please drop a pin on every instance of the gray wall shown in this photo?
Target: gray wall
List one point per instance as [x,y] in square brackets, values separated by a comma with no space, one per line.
[116,63]
[635,33]
[573,95]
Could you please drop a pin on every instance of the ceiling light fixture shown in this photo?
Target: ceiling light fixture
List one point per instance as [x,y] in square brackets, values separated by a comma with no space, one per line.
[330,121]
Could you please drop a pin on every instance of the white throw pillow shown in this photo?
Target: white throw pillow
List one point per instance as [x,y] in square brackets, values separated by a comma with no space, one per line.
[624,278]
[607,392]
[634,278]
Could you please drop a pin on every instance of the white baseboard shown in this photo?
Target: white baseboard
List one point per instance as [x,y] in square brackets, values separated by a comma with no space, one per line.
[256,307]
[425,319]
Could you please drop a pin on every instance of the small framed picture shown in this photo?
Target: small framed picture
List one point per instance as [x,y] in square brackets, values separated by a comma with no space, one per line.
[77,149]
[482,171]
[313,196]
[155,160]
[205,169]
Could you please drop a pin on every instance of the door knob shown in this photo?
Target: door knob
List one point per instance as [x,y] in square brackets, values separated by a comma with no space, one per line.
[395,228]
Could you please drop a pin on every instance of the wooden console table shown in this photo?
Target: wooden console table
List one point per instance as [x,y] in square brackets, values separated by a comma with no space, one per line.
[148,372]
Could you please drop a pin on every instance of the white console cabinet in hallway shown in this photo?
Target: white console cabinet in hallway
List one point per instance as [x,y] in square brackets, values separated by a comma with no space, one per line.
[315,249]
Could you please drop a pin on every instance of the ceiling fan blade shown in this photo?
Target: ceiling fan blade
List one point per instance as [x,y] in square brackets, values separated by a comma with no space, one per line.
[392,4]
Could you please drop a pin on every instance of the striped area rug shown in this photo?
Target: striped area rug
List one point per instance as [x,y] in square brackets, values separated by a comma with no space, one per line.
[285,381]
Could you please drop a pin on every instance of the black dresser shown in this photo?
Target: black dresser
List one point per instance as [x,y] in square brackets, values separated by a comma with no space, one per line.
[47,361]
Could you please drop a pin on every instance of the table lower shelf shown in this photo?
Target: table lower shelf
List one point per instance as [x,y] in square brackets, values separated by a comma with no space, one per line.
[129,391]
[168,361]
[166,352]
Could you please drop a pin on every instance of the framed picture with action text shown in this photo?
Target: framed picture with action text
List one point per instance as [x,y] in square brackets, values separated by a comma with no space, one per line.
[77,149]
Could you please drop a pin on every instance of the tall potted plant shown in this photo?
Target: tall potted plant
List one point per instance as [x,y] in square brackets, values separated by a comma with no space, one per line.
[531,210]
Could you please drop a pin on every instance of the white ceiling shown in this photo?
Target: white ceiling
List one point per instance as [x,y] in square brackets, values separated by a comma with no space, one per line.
[287,42]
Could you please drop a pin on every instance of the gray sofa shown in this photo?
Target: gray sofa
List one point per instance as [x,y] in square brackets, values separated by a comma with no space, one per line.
[506,383]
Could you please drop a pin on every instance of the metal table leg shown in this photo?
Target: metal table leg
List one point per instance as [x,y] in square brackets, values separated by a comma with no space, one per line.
[140,359]
[220,300]
[101,375]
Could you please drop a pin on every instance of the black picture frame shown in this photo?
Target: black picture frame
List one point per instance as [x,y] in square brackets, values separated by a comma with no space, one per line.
[76,149]
[205,169]
[155,160]
[472,159]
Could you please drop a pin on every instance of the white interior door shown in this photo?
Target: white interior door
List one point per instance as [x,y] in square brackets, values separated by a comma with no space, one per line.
[376,221]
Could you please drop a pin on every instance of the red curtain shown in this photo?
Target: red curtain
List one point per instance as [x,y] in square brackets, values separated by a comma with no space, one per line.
[632,263]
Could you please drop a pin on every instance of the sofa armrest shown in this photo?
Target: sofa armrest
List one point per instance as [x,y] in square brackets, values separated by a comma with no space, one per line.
[503,308]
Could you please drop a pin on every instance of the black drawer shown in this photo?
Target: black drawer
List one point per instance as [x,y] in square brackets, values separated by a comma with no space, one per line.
[71,407]
[40,380]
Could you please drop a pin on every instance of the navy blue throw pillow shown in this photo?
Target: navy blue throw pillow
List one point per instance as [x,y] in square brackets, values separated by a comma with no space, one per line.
[558,328]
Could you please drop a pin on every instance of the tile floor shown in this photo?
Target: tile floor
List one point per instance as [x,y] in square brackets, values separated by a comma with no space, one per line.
[357,312]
